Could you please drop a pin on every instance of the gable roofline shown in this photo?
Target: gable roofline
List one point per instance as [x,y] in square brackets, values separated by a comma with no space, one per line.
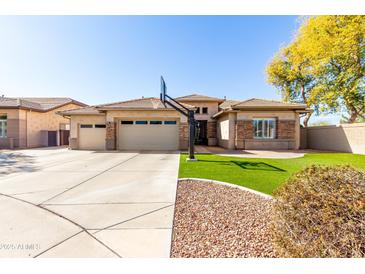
[88,110]
[36,104]
[198,98]
[148,103]
[274,104]
[261,105]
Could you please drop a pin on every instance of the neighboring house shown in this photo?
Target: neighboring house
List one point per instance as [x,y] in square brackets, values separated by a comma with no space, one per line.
[33,122]
[147,124]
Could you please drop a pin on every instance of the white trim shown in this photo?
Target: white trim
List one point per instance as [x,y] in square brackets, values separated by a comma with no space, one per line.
[263,195]
[4,127]
[255,120]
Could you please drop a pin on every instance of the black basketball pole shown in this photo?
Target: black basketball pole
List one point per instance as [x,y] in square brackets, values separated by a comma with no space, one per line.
[191,134]
[183,110]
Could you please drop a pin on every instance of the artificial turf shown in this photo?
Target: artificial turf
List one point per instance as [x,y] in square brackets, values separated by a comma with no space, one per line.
[260,174]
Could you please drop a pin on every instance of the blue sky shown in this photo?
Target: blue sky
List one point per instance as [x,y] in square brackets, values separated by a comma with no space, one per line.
[100,59]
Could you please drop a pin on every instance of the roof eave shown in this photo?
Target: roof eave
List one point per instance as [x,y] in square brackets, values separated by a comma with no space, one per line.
[200,100]
[223,112]
[292,108]
[22,108]
[139,108]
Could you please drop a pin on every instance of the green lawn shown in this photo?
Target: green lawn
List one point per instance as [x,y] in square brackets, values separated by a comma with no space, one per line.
[263,175]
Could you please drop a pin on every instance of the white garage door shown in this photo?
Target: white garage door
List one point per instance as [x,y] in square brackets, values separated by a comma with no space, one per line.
[148,135]
[92,136]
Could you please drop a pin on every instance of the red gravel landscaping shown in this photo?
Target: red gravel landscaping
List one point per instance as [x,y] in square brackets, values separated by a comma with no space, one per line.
[213,220]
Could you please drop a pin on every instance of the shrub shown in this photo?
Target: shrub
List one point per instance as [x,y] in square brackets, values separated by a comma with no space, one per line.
[320,212]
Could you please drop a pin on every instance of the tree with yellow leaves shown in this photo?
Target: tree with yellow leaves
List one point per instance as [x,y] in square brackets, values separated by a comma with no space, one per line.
[324,66]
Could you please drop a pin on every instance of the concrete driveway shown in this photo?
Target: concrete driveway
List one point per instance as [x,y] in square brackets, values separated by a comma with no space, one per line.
[62,203]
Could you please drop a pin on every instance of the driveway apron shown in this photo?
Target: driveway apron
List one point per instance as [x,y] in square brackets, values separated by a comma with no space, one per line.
[90,204]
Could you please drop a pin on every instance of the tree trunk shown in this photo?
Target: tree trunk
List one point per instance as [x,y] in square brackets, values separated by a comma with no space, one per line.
[306,119]
[353,116]
[353,113]
[308,115]
[302,91]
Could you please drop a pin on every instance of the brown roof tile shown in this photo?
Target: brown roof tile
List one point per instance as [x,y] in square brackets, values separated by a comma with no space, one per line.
[37,104]
[81,111]
[198,97]
[260,103]
[150,103]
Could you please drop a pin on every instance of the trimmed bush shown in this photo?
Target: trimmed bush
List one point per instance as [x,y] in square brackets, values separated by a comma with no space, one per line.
[320,212]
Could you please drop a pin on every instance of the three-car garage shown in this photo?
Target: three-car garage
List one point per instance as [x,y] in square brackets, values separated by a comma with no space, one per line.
[136,134]
[139,124]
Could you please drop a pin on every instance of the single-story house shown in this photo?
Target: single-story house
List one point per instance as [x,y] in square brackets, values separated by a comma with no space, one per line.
[33,122]
[148,124]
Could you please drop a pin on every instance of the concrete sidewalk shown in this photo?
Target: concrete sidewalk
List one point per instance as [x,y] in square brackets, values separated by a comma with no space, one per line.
[89,204]
[273,154]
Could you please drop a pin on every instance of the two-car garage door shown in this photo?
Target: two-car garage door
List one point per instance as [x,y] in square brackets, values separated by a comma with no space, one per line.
[148,135]
[132,135]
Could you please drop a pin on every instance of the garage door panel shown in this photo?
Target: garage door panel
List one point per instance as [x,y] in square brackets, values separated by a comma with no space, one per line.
[148,137]
[92,138]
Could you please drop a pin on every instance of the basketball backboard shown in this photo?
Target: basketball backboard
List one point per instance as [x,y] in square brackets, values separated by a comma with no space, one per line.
[163,90]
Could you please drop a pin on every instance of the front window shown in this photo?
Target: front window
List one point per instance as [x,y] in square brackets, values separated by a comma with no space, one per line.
[3,126]
[264,128]
[197,111]
[205,110]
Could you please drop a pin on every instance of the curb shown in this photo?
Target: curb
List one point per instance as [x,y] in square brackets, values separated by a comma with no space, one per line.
[263,195]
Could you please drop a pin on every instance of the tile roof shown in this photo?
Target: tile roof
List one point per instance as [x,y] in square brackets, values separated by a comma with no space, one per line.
[84,111]
[260,103]
[37,104]
[149,103]
[198,97]
[228,103]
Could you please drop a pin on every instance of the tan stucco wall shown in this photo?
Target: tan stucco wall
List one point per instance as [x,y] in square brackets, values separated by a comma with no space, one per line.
[26,126]
[212,109]
[84,119]
[41,121]
[223,130]
[272,143]
[16,128]
[229,120]
[226,130]
[281,115]
[117,115]
[346,138]
[112,115]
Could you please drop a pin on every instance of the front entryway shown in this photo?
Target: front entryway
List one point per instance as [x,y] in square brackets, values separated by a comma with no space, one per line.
[64,137]
[148,135]
[201,132]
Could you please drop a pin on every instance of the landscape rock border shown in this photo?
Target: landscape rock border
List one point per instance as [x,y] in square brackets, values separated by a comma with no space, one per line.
[215,219]
[267,196]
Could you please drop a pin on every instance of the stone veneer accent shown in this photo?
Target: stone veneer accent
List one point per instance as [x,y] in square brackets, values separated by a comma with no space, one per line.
[184,135]
[286,129]
[239,141]
[247,129]
[73,143]
[110,143]
[212,133]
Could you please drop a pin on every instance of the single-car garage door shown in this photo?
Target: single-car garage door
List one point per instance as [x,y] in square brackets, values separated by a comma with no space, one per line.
[148,135]
[92,136]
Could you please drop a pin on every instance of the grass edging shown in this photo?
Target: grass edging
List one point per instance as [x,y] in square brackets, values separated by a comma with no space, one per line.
[263,195]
